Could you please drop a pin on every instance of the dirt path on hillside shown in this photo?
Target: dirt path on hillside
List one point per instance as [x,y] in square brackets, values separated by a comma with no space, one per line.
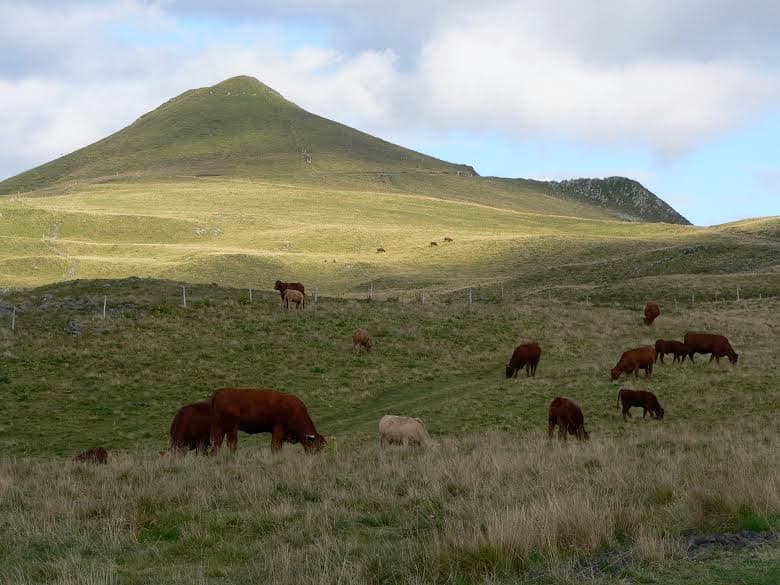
[51,242]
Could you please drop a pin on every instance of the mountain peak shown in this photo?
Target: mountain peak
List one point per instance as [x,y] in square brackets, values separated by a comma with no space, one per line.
[244,85]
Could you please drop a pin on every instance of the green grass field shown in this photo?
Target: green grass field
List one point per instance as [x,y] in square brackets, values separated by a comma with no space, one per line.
[494,503]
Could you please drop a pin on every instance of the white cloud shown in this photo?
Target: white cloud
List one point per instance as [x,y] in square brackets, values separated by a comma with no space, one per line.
[602,73]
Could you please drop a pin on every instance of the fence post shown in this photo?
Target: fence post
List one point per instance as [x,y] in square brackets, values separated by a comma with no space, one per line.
[470,299]
[422,298]
[105,300]
[315,296]
[184,296]
[13,319]
[737,294]
[692,299]
[502,291]
[250,294]
[675,304]
[371,291]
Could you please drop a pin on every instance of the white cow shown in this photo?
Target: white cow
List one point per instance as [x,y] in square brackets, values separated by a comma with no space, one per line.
[402,430]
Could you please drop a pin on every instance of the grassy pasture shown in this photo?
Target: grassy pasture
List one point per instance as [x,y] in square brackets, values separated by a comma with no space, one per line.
[246,233]
[494,503]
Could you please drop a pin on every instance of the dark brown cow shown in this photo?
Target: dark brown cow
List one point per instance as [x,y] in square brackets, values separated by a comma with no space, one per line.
[568,416]
[191,428]
[262,411]
[380,250]
[717,345]
[447,239]
[651,312]
[633,360]
[527,355]
[641,398]
[672,346]
[283,286]
[96,455]
[434,244]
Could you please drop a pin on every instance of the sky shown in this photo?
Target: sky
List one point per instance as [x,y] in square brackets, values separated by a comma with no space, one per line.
[681,95]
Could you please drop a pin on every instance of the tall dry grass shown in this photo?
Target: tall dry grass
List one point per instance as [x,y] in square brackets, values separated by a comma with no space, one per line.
[485,508]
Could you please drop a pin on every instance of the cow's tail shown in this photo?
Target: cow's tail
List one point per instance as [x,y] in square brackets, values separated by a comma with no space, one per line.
[214,431]
[620,393]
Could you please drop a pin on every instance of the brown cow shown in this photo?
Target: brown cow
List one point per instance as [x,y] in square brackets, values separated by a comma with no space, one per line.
[360,338]
[283,286]
[633,360]
[672,346]
[447,239]
[294,296]
[262,411]
[380,250]
[434,244]
[568,416]
[651,312]
[527,355]
[717,345]
[94,455]
[191,428]
[641,398]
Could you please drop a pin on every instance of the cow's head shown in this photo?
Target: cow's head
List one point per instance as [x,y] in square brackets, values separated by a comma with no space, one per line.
[614,374]
[313,443]
[368,345]
[659,411]
[509,371]
[733,357]
[278,285]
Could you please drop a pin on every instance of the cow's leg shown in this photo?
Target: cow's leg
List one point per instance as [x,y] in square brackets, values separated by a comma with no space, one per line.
[636,373]
[644,412]
[528,370]
[550,428]
[216,439]
[563,431]
[232,437]
[516,371]
[625,412]
[277,438]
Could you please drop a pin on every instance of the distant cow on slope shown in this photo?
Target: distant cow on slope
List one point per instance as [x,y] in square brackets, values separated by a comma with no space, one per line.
[96,455]
[191,428]
[295,297]
[262,411]
[283,286]
[651,312]
[447,239]
[672,346]
[568,416]
[717,345]
[402,430]
[434,244]
[380,250]
[647,401]
[527,355]
[360,339]
[633,360]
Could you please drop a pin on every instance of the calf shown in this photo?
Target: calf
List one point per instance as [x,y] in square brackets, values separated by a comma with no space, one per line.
[294,296]
[642,399]
[568,416]
[633,360]
[96,455]
[527,355]
[403,430]
[672,346]
[283,286]
[716,345]
[360,338]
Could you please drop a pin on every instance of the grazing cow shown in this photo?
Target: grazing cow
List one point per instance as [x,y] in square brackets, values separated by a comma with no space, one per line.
[527,355]
[651,312]
[672,346]
[262,411]
[360,338]
[96,455]
[402,430]
[717,345]
[633,360]
[568,416]
[447,239]
[294,296]
[191,428]
[434,244]
[641,398]
[380,250]
[283,286]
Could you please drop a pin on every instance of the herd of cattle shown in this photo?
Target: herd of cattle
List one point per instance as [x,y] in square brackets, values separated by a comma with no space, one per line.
[205,424]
